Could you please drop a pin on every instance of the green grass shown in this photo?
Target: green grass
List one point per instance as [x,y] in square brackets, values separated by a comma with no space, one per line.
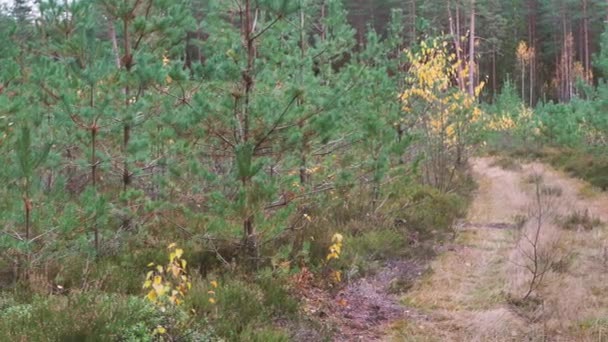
[80,317]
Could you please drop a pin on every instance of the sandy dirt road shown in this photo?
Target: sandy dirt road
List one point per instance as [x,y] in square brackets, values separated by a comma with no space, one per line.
[473,291]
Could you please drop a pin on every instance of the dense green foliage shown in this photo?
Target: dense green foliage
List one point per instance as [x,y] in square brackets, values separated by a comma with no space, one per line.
[252,133]
[571,135]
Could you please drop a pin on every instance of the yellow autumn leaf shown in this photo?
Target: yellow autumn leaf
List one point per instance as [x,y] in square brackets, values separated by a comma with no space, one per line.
[337,276]
[337,238]
[184,263]
[214,284]
[159,268]
[179,252]
[175,271]
[157,280]
[147,284]
[171,245]
[161,330]
[151,264]
[152,296]
[332,255]
[160,290]
[212,300]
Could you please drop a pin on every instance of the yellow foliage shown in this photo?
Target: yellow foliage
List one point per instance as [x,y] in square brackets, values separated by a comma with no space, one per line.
[337,238]
[337,276]
[169,284]
[211,293]
[334,253]
[506,122]
[440,107]
[524,53]
[160,330]
[336,248]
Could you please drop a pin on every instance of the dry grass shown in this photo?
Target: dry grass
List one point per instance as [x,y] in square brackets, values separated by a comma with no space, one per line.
[588,191]
[468,295]
[506,163]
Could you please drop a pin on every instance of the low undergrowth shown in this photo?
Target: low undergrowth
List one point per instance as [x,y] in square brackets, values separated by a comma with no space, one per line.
[589,164]
[77,297]
[580,220]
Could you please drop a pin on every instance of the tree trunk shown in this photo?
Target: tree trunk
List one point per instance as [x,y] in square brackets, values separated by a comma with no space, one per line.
[323,28]
[523,81]
[472,51]
[586,40]
[303,147]
[94,174]
[247,83]
[532,55]
[456,36]
[27,206]
[413,39]
[126,136]
[494,72]
[112,33]
[532,41]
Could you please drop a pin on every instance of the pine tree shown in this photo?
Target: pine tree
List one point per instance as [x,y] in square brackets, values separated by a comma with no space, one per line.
[21,10]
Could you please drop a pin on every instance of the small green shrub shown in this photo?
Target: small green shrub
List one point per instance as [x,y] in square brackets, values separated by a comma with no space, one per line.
[239,305]
[507,163]
[277,300]
[562,264]
[534,178]
[264,334]
[587,164]
[363,252]
[577,220]
[551,190]
[376,244]
[596,327]
[432,213]
[80,317]
[243,309]
[519,221]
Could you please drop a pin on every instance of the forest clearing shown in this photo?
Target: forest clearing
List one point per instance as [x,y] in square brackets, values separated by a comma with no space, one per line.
[303,170]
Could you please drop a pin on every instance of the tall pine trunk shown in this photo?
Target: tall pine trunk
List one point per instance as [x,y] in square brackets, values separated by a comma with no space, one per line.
[456,37]
[472,51]
[249,231]
[586,41]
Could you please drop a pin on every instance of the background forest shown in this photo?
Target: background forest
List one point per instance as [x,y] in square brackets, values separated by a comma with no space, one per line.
[184,170]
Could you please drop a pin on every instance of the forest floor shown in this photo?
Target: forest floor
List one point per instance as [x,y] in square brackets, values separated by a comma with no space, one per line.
[472,291]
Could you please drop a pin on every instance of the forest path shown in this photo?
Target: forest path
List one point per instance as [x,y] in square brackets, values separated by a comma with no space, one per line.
[470,292]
